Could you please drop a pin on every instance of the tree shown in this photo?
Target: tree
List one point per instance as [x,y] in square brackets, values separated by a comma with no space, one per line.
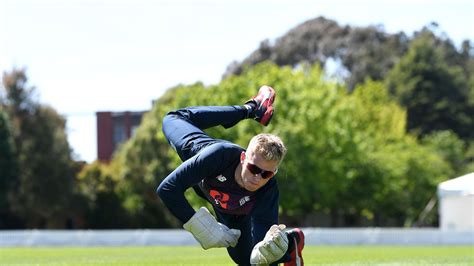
[451,148]
[8,169]
[358,53]
[7,156]
[434,93]
[364,52]
[43,188]
[97,183]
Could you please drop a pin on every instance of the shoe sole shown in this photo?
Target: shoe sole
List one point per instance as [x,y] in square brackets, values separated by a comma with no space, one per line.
[270,97]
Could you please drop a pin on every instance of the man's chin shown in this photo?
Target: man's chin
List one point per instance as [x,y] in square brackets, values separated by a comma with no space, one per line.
[251,187]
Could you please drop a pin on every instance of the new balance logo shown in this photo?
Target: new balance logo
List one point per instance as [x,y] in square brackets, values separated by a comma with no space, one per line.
[221,178]
[244,200]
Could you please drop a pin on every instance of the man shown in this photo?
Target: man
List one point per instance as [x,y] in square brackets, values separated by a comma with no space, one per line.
[239,183]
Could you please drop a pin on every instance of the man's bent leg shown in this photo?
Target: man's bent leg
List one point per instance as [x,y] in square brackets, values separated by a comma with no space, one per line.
[240,254]
[184,128]
[205,117]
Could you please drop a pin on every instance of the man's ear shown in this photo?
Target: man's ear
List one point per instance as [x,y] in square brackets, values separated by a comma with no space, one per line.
[242,157]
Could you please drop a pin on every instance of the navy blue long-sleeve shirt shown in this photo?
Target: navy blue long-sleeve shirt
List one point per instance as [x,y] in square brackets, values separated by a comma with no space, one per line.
[212,172]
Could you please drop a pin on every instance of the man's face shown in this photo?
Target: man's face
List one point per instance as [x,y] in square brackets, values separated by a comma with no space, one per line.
[254,169]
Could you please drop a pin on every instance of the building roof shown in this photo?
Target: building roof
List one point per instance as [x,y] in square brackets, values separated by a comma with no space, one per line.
[460,186]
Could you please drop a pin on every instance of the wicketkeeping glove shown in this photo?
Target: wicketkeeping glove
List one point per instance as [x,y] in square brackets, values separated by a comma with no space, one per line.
[271,248]
[210,233]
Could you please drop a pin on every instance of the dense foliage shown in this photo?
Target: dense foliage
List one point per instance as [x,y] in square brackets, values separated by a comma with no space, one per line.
[8,169]
[435,93]
[40,192]
[427,73]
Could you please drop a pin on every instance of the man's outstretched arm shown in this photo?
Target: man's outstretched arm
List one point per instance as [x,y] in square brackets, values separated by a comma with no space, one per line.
[204,227]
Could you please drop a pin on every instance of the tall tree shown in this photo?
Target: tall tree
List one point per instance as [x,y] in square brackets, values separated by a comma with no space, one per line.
[44,181]
[435,94]
[97,182]
[359,52]
[355,52]
[8,170]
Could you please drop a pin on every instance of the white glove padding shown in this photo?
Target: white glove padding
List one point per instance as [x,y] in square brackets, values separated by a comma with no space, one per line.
[271,248]
[209,233]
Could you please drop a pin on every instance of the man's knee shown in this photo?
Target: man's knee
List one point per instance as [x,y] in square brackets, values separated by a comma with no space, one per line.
[168,118]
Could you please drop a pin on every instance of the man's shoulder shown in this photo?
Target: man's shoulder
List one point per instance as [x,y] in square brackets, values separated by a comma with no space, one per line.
[226,146]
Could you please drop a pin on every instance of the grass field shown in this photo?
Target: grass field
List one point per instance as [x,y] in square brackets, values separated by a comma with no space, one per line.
[313,255]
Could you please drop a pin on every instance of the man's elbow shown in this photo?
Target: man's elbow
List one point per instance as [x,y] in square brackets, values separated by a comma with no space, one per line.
[161,191]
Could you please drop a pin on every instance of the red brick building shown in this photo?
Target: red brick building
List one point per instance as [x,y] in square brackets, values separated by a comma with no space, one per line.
[114,128]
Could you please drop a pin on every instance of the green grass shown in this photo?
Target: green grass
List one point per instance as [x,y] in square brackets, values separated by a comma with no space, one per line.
[313,255]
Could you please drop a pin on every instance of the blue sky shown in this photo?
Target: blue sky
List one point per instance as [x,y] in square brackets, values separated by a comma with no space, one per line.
[85,56]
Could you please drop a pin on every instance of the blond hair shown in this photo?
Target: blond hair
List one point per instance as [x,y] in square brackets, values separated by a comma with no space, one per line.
[269,146]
